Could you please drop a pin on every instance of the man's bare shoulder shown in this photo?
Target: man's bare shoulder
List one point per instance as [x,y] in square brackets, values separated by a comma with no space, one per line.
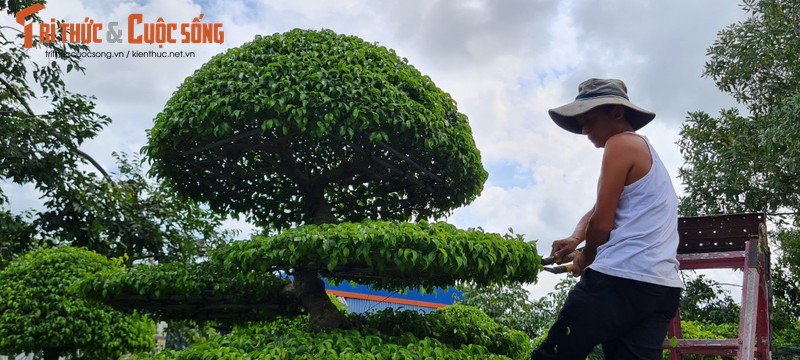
[631,152]
[627,142]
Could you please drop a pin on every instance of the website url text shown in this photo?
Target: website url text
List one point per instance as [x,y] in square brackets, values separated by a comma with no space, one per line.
[123,54]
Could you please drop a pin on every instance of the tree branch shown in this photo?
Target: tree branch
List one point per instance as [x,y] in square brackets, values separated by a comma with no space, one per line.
[96,165]
[82,154]
[17,96]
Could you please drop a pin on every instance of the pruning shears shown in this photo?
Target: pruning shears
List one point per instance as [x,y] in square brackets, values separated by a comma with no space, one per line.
[561,268]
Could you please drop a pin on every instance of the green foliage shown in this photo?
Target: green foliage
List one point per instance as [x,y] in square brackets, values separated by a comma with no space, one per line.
[786,336]
[784,277]
[391,255]
[131,216]
[200,291]
[546,308]
[704,300]
[755,60]
[738,163]
[17,236]
[510,305]
[457,326]
[703,330]
[339,130]
[339,305]
[786,294]
[41,311]
[399,339]
[724,170]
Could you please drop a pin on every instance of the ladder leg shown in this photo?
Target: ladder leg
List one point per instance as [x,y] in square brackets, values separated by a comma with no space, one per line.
[763,326]
[675,331]
[747,314]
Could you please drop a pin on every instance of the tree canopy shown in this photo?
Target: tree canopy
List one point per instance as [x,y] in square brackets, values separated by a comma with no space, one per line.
[241,282]
[311,127]
[194,291]
[748,162]
[390,255]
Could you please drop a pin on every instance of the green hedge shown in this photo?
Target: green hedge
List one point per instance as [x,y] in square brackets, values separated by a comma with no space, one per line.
[390,255]
[41,310]
[199,291]
[455,325]
[457,333]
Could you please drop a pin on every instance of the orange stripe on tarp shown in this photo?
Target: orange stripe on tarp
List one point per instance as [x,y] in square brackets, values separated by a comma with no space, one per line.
[383,298]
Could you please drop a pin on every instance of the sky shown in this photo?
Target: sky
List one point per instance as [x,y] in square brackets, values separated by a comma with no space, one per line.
[505,62]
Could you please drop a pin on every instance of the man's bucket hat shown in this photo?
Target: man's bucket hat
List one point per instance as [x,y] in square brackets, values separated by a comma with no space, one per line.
[593,93]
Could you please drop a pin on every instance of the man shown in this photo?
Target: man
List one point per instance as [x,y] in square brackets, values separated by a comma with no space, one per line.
[630,285]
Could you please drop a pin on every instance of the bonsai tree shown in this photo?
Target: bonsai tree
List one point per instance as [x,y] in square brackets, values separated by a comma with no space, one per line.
[42,313]
[332,145]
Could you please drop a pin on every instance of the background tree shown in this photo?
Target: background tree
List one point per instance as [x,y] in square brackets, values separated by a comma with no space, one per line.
[113,214]
[42,313]
[332,145]
[704,300]
[508,305]
[749,162]
[37,146]
[117,213]
[133,216]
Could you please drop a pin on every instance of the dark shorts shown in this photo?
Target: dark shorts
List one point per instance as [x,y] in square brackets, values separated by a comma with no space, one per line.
[629,318]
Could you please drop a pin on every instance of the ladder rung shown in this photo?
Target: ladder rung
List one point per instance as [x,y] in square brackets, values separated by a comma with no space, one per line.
[712,260]
[705,346]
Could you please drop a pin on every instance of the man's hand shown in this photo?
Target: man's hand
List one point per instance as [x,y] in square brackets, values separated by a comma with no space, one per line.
[580,262]
[564,247]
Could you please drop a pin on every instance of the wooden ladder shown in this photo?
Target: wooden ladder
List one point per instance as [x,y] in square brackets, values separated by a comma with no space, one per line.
[735,241]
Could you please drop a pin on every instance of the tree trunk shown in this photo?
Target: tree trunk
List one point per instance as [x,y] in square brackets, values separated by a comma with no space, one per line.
[323,214]
[309,289]
[307,286]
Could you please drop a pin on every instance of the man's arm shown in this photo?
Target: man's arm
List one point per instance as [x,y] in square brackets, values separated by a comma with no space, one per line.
[618,158]
[566,246]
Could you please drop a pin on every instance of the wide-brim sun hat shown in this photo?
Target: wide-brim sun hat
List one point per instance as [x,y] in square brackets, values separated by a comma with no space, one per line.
[596,92]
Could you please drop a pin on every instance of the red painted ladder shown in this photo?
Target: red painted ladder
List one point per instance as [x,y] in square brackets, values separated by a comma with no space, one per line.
[729,241]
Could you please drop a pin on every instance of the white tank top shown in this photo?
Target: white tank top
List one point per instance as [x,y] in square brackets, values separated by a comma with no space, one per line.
[644,243]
